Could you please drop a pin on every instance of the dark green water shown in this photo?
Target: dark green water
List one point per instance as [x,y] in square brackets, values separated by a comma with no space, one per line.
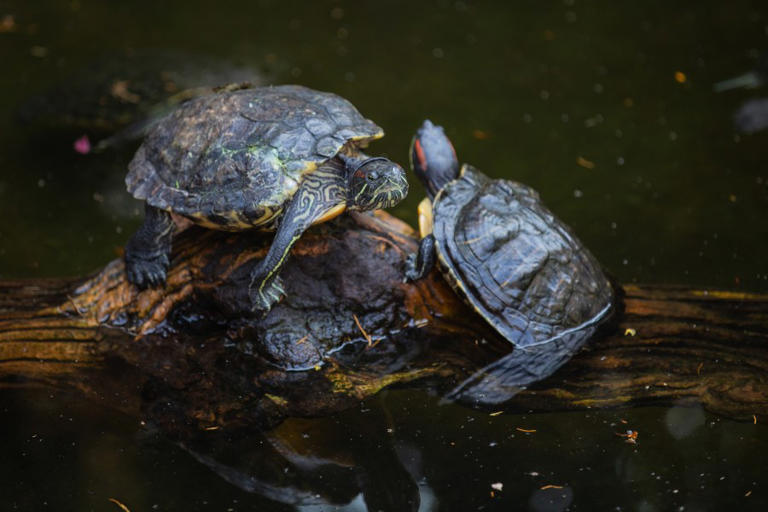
[526,90]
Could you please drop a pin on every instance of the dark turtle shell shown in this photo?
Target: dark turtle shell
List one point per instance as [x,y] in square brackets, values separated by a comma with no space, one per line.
[232,160]
[521,268]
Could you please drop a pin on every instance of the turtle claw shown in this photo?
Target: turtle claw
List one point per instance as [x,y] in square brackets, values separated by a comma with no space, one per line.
[147,273]
[264,296]
[411,268]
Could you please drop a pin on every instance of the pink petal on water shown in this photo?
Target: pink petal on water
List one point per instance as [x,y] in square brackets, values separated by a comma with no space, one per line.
[83,145]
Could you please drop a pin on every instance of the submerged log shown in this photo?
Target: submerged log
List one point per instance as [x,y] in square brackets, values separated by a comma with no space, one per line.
[193,356]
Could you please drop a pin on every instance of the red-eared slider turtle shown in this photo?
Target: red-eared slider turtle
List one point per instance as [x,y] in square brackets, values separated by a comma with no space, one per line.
[273,158]
[511,259]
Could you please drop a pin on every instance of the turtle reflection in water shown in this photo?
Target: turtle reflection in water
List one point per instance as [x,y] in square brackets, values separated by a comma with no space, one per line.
[273,158]
[512,260]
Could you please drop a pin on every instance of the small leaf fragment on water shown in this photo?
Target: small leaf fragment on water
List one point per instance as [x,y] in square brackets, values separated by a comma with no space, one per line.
[497,413]
[480,134]
[629,332]
[630,437]
[680,77]
[119,90]
[550,486]
[123,507]
[583,162]
[526,430]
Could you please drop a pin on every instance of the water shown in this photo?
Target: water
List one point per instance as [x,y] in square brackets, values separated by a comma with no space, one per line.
[606,108]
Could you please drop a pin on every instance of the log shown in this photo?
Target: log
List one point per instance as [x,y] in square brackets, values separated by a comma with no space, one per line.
[192,355]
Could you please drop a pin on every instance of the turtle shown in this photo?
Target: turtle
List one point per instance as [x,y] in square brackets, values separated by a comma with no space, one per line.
[516,264]
[276,158]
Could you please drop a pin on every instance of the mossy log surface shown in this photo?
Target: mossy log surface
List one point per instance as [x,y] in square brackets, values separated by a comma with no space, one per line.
[192,355]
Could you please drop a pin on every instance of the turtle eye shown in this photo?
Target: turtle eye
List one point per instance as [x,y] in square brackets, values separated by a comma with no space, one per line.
[373,175]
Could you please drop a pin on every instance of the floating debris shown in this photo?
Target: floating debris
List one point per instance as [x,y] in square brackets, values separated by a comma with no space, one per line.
[680,77]
[583,162]
[116,502]
[119,90]
[630,437]
[526,430]
[82,145]
[629,331]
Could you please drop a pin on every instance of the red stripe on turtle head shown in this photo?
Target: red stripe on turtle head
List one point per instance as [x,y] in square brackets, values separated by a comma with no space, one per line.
[422,159]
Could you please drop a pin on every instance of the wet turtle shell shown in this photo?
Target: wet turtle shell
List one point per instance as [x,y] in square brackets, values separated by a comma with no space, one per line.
[233,160]
[516,264]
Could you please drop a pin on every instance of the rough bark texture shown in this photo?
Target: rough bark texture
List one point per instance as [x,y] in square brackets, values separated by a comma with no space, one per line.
[193,356]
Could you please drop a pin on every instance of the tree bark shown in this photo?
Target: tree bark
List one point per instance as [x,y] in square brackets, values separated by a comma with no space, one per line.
[192,355]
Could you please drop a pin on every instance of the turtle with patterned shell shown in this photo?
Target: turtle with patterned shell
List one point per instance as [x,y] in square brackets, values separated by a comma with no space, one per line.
[513,262]
[272,158]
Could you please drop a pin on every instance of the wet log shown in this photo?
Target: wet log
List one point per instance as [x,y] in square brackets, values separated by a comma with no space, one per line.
[193,356]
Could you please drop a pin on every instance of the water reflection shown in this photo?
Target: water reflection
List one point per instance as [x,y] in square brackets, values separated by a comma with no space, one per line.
[312,464]
[683,421]
[752,116]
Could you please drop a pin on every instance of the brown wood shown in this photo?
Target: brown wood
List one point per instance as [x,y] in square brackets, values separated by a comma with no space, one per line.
[192,355]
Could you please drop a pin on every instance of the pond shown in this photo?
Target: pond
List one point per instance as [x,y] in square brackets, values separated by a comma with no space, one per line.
[606,108]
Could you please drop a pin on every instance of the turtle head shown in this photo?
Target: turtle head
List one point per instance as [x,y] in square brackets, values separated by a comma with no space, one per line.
[376,183]
[433,158]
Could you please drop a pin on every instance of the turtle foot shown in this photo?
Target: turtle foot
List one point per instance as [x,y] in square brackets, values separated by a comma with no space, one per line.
[265,295]
[145,273]
[412,272]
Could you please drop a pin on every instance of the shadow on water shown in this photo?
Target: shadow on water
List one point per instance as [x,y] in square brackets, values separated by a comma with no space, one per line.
[606,108]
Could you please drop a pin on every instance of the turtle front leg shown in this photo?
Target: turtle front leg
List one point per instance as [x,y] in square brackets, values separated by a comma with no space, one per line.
[318,198]
[420,263]
[147,253]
